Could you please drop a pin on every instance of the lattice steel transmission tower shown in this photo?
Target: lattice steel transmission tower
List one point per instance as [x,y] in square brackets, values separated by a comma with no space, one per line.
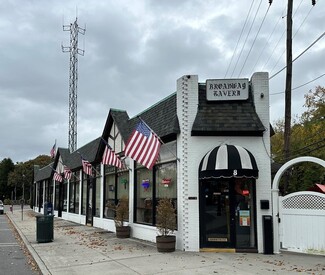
[73,80]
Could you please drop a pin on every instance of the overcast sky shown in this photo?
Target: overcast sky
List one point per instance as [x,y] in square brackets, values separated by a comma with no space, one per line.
[134,53]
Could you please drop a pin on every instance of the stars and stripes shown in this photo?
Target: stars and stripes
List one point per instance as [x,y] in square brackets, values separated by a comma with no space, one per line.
[110,158]
[67,173]
[57,177]
[86,167]
[143,145]
[52,152]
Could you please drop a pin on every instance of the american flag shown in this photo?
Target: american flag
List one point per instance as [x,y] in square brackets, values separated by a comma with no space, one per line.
[52,152]
[67,173]
[143,145]
[57,177]
[110,158]
[86,166]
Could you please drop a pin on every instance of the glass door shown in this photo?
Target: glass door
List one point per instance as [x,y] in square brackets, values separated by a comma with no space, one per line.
[217,214]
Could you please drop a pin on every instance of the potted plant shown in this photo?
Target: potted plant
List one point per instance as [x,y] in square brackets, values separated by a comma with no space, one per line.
[122,214]
[166,224]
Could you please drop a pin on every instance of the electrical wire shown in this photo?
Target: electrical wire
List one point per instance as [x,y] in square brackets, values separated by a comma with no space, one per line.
[312,44]
[304,150]
[303,21]
[308,151]
[266,43]
[301,85]
[249,31]
[259,29]
[280,39]
[241,33]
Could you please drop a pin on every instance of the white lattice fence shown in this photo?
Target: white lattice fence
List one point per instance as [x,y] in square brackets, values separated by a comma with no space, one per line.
[302,226]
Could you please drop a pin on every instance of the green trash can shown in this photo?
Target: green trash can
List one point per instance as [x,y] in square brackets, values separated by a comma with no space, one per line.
[44,228]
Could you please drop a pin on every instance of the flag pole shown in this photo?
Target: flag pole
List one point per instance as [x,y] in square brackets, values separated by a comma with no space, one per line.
[55,172]
[178,159]
[96,172]
[69,169]
[106,144]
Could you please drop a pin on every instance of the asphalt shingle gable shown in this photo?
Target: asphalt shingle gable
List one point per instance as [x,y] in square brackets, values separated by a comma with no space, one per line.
[88,152]
[44,173]
[236,118]
[161,118]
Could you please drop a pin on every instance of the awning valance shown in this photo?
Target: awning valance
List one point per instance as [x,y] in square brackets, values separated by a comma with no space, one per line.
[228,161]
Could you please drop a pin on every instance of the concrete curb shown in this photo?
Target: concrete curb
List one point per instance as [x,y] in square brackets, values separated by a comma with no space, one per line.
[42,267]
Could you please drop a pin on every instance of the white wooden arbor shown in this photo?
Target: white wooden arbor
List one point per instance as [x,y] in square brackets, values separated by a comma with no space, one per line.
[275,193]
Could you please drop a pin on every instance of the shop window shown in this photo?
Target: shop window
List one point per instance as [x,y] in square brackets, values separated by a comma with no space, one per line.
[77,197]
[116,185]
[109,195]
[84,195]
[245,212]
[71,196]
[65,195]
[144,202]
[74,194]
[56,199]
[98,192]
[49,191]
[40,194]
[152,185]
[166,178]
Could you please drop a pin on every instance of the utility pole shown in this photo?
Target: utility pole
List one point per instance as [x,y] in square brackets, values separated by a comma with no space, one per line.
[287,117]
[74,30]
[287,111]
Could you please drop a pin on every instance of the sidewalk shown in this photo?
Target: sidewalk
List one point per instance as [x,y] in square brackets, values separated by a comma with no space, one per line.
[79,249]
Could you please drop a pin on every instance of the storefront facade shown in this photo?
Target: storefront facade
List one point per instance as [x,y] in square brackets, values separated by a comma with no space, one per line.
[214,165]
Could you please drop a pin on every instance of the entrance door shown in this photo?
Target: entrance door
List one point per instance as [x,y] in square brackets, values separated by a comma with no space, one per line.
[227,214]
[217,214]
[89,216]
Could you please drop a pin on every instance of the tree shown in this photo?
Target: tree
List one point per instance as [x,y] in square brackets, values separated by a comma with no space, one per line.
[22,176]
[307,139]
[6,166]
[315,104]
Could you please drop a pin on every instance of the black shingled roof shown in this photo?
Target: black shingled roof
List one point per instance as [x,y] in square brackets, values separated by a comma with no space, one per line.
[161,118]
[235,118]
[43,173]
[216,119]
[73,161]
[88,152]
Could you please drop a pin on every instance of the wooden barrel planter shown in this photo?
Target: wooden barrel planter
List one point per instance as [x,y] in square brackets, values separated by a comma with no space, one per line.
[123,232]
[166,243]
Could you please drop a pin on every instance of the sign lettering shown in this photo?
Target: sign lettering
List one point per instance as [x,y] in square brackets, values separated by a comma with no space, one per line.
[227,89]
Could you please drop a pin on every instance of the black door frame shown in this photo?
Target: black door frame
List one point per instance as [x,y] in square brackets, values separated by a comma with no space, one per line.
[232,242]
[233,230]
[61,199]
[90,208]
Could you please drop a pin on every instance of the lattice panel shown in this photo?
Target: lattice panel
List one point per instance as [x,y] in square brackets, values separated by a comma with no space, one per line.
[304,201]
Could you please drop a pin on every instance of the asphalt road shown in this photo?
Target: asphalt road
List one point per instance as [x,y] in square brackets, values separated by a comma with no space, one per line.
[12,258]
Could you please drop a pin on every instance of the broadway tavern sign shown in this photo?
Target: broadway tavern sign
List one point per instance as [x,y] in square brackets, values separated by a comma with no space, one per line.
[227,89]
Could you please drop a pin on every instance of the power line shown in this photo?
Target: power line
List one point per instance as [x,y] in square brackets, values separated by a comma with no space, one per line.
[303,21]
[304,150]
[266,43]
[249,31]
[301,85]
[308,151]
[277,44]
[259,29]
[320,37]
[250,8]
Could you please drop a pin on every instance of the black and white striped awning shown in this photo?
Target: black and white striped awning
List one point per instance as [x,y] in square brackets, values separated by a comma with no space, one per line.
[228,161]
